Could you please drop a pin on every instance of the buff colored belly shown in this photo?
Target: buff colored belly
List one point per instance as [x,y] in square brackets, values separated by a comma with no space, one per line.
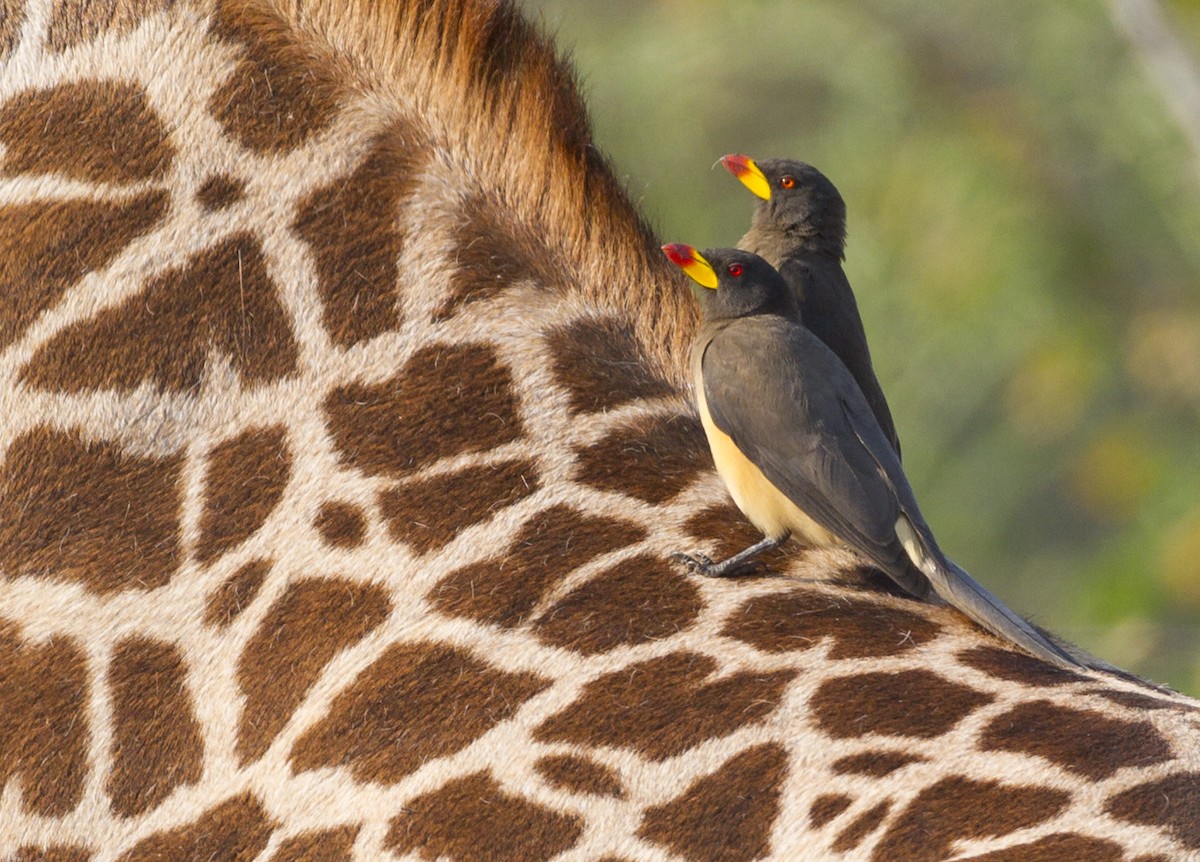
[760,501]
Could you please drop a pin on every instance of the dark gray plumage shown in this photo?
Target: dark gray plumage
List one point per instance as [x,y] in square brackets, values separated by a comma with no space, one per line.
[801,451]
[800,229]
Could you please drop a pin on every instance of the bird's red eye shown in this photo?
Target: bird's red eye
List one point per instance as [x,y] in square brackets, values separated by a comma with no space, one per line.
[788,182]
[735,269]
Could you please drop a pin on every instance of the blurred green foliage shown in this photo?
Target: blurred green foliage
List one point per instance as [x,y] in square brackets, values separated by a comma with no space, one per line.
[1024,221]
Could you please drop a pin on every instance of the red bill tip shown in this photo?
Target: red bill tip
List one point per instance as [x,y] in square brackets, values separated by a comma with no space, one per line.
[736,164]
[679,253]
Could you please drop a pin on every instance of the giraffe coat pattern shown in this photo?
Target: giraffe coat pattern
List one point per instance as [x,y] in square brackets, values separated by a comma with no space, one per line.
[320,326]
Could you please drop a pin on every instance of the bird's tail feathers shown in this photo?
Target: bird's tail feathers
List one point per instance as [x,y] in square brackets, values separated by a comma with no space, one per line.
[965,593]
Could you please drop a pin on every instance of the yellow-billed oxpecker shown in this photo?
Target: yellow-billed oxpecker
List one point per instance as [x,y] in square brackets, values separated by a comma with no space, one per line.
[799,226]
[800,450]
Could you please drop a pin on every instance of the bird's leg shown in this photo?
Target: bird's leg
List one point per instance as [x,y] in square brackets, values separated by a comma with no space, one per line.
[737,564]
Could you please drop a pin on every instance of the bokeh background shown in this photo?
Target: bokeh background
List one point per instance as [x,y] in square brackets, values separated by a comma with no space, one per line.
[1023,184]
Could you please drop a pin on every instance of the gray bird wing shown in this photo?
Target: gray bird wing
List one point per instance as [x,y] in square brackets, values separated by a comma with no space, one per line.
[793,409]
[832,315]
[781,395]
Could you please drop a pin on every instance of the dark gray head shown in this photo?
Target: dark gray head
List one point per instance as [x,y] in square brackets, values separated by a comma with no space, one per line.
[739,283]
[795,199]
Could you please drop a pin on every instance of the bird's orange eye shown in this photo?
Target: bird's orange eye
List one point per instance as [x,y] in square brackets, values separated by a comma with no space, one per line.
[735,269]
[788,182]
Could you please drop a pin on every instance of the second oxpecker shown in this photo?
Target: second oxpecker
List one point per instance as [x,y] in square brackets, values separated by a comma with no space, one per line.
[799,226]
[800,450]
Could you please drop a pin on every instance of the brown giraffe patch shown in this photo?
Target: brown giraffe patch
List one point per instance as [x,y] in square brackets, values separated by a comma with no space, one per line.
[156,739]
[47,247]
[75,22]
[862,826]
[491,255]
[913,703]
[1017,667]
[243,483]
[1133,700]
[277,97]
[341,525]
[220,191]
[636,601]
[1086,742]
[664,706]
[416,703]
[727,531]
[12,16]
[428,514]
[448,399]
[353,229]
[236,593]
[1060,847]
[237,830]
[826,807]
[504,590]
[330,845]
[602,365]
[222,303]
[875,764]
[1171,803]
[95,131]
[306,627]
[56,853]
[580,775]
[652,459]
[87,512]
[959,809]
[801,619]
[44,732]
[473,818]
[726,816]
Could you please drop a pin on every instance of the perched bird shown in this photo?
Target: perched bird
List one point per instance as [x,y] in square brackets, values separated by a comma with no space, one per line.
[799,226]
[799,449]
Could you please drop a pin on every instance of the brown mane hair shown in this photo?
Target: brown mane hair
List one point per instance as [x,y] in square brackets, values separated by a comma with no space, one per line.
[492,91]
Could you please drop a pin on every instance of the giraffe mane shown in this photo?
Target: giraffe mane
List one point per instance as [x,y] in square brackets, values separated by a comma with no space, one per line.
[494,92]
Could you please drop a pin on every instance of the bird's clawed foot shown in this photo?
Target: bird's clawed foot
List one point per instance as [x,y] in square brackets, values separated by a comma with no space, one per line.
[741,563]
[702,564]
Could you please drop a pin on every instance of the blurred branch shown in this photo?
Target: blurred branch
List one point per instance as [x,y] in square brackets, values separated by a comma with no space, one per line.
[1170,65]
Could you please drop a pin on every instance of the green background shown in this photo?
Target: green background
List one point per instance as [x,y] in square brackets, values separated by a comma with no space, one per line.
[1024,243]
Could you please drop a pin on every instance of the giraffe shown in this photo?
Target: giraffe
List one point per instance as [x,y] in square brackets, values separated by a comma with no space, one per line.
[345,437]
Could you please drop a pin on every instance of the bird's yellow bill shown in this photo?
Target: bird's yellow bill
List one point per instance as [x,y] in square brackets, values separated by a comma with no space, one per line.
[752,177]
[691,262]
